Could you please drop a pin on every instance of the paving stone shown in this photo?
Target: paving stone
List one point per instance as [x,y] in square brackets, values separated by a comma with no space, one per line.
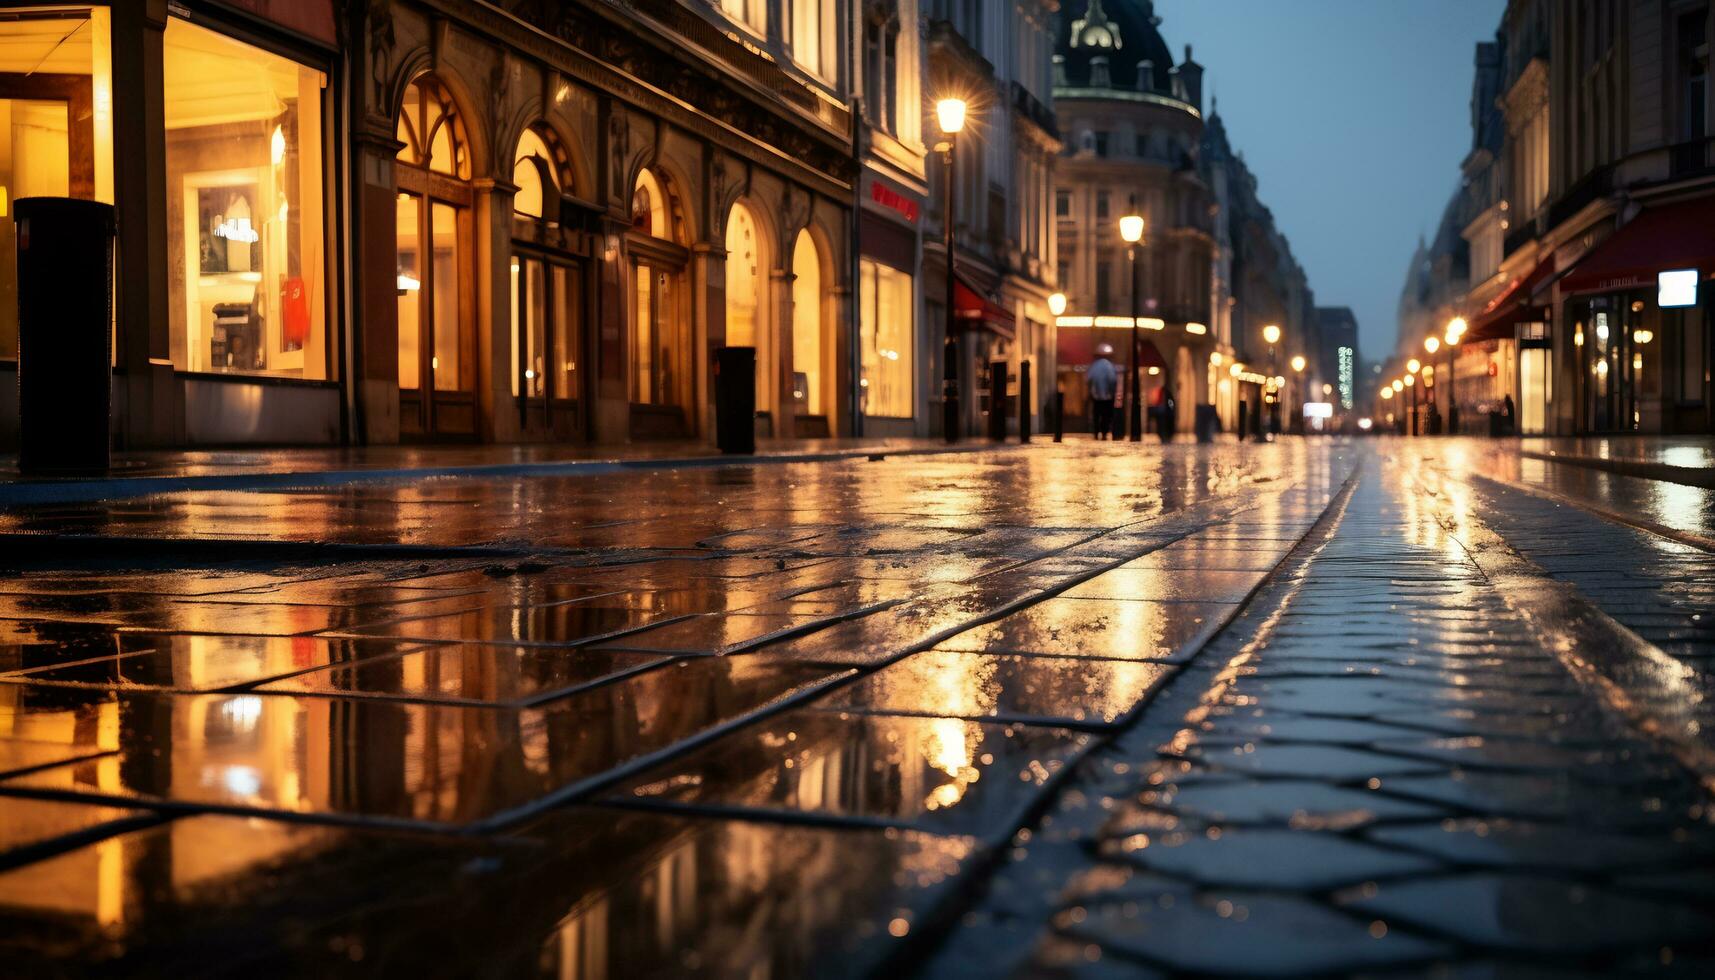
[1250,933]
[1331,762]
[1525,845]
[1299,802]
[1041,690]
[1522,912]
[1273,859]
[940,775]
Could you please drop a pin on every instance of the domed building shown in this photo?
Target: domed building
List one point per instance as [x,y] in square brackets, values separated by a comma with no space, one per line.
[1132,120]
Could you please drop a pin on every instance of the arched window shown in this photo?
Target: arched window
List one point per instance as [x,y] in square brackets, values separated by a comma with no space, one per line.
[432,131]
[743,278]
[649,215]
[539,170]
[807,374]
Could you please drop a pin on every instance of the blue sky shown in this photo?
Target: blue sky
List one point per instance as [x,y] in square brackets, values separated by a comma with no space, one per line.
[1354,114]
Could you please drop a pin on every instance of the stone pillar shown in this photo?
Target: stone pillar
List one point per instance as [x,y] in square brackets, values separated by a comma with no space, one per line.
[706,280]
[151,410]
[496,409]
[375,271]
[779,399]
[610,334]
[837,330]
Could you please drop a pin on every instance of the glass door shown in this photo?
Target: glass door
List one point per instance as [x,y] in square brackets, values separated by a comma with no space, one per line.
[435,382]
[547,293]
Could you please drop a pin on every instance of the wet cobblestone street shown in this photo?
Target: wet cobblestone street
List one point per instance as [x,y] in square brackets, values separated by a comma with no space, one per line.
[1074,710]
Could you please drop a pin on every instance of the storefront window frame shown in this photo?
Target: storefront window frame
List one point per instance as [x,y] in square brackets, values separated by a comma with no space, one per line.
[317,56]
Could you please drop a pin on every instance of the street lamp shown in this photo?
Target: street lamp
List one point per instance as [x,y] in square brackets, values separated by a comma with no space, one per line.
[1057,304]
[951,114]
[1270,336]
[1455,333]
[1431,344]
[1411,382]
[1131,229]
[1298,363]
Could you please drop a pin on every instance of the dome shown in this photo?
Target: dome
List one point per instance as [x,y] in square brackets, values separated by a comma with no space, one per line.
[1122,31]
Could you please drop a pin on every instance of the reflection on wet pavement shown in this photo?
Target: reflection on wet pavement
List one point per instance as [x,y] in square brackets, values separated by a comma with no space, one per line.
[776,720]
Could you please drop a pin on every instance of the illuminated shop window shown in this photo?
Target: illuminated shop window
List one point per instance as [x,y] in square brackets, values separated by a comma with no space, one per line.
[56,125]
[888,341]
[246,241]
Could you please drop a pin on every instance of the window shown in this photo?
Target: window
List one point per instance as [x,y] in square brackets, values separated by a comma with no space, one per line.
[244,204]
[814,27]
[881,73]
[1062,204]
[1101,144]
[751,13]
[1101,204]
[536,168]
[888,339]
[1693,76]
[1142,145]
[56,125]
[1104,281]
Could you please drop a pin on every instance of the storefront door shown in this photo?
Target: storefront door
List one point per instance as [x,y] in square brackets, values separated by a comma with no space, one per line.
[435,370]
[659,355]
[547,312]
[47,152]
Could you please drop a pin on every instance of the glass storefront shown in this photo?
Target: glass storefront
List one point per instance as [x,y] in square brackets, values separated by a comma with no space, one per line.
[56,125]
[247,260]
[887,339]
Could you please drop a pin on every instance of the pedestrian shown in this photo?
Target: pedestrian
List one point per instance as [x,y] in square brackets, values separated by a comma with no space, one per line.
[1102,379]
[1507,415]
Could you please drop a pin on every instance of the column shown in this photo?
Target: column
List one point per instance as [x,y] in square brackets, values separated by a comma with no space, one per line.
[151,409]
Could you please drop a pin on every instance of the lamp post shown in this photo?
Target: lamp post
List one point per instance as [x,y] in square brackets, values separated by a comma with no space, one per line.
[1298,364]
[1398,387]
[1412,367]
[1455,333]
[1131,229]
[1270,336]
[951,115]
[1431,344]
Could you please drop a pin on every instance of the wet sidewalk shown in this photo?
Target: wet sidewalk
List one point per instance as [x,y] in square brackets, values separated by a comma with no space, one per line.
[1415,750]
[137,474]
[1315,706]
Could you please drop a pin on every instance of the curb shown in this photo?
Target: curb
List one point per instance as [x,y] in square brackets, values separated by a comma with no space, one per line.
[120,488]
[1645,469]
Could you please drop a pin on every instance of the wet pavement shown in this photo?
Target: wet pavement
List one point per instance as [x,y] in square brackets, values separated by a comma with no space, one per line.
[1078,710]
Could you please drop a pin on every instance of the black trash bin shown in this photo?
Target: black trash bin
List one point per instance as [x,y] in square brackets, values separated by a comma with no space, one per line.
[1207,423]
[735,400]
[65,343]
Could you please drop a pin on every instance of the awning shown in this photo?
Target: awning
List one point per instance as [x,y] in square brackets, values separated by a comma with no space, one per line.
[1077,348]
[1663,238]
[974,311]
[1512,306]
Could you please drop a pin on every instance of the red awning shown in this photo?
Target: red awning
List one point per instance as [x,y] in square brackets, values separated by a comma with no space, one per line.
[1666,237]
[1077,347]
[1511,307]
[974,311]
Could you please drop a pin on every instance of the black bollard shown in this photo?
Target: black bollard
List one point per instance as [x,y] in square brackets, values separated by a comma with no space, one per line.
[1059,416]
[997,401]
[735,400]
[1024,402]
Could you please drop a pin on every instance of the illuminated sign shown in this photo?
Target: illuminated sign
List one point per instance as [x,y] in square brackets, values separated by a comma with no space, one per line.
[1318,410]
[1347,383]
[891,199]
[1677,288]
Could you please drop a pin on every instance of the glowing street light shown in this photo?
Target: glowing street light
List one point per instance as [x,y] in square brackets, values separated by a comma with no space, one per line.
[1298,363]
[1412,367]
[951,115]
[1397,385]
[1271,334]
[1432,343]
[1057,304]
[1131,229]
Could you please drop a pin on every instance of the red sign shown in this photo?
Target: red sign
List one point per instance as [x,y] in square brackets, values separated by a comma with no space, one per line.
[891,199]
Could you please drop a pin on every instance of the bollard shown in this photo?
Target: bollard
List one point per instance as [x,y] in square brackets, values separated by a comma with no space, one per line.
[1024,402]
[735,400]
[1059,416]
[65,352]
[997,401]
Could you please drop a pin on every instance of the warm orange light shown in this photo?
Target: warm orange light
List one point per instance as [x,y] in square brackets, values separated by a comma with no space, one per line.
[1298,363]
[1413,366]
[1131,228]
[1432,344]
[1271,334]
[951,114]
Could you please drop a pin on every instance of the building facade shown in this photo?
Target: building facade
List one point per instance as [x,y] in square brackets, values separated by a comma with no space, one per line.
[1133,120]
[366,222]
[1593,315]
[1258,283]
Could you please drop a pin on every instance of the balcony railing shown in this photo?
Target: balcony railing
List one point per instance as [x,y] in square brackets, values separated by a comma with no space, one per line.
[1596,184]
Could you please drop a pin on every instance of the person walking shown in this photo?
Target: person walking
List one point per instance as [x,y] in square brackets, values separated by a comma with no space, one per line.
[1102,379]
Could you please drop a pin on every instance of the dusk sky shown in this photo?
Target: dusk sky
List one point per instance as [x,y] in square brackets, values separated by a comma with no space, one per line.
[1355,115]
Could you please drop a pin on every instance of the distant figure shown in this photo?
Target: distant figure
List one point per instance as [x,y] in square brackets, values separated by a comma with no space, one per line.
[1507,415]
[1102,379]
